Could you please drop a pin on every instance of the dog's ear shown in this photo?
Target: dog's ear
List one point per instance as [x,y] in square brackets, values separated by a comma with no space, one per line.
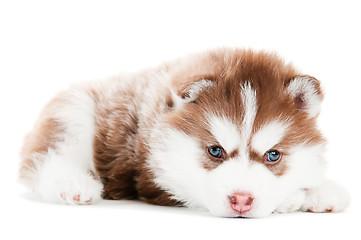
[307,94]
[189,91]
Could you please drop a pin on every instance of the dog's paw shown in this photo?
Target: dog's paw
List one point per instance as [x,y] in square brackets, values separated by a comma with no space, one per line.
[80,190]
[293,203]
[328,197]
[73,187]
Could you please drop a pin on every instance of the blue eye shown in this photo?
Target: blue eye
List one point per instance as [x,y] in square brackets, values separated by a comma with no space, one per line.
[273,156]
[216,152]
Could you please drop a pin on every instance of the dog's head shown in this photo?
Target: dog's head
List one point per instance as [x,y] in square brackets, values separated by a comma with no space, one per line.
[241,136]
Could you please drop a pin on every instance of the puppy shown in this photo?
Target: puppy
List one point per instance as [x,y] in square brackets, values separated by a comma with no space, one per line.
[232,131]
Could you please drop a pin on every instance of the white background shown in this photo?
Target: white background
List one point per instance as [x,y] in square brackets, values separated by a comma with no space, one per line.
[47,45]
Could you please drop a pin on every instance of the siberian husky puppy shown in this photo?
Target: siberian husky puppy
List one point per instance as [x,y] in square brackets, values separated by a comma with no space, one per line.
[232,131]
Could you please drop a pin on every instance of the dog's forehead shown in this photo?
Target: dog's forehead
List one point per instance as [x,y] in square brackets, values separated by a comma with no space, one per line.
[225,131]
[248,132]
[234,134]
[269,135]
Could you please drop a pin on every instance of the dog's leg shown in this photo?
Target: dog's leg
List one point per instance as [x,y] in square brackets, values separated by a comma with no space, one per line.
[293,203]
[57,158]
[327,197]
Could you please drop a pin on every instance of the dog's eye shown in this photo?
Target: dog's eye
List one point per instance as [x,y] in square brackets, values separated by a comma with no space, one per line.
[216,151]
[273,156]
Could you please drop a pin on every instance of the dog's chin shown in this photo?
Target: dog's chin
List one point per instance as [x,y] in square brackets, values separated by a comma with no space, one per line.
[258,210]
[249,214]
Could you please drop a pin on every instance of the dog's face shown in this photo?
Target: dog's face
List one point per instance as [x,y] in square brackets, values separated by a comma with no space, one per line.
[242,135]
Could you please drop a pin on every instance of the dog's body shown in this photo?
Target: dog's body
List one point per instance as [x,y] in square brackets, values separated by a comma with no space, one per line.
[232,131]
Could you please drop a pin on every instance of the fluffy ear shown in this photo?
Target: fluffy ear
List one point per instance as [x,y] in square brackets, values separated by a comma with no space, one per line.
[190,91]
[307,94]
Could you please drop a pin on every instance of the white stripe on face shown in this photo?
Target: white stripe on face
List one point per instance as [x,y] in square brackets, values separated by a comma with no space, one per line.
[268,136]
[249,100]
[226,132]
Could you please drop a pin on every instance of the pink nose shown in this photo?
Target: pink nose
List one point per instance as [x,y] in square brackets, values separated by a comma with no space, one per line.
[241,202]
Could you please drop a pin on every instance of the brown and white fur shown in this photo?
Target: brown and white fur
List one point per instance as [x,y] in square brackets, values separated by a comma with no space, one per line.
[148,136]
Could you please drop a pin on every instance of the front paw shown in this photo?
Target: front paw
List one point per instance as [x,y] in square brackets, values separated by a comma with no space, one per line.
[293,203]
[328,197]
